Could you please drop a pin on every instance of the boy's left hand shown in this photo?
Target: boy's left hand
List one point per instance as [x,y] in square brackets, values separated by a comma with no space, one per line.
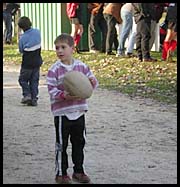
[93,81]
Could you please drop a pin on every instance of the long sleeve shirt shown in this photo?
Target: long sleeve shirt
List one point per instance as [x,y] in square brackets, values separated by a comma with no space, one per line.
[30,47]
[55,76]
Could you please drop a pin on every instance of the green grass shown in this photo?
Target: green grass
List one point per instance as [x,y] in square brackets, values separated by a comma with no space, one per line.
[153,80]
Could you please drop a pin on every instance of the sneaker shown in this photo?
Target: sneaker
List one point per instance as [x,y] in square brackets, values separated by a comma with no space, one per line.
[8,42]
[80,177]
[32,103]
[110,53]
[94,51]
[130,55]
[64,179]
[26,100]
[150,59]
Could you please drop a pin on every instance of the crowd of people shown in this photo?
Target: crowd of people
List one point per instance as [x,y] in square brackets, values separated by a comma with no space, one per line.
[133,24]
[137,23]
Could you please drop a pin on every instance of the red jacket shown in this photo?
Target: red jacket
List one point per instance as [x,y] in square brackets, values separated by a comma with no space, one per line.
[71,9]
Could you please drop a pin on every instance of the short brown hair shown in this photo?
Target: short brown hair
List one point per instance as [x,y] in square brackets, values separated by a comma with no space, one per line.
[64,37]
[24,23]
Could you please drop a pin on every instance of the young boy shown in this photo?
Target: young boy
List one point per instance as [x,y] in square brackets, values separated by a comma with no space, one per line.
[68,111]
[30,47]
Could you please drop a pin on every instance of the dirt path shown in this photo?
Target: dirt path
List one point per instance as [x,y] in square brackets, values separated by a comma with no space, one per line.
[129,141]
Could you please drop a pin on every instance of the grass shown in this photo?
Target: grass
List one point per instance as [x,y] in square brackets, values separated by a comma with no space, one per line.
[146,79]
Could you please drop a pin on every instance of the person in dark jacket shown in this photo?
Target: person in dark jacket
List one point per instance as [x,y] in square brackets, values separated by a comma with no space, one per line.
[143,14]
[30,47]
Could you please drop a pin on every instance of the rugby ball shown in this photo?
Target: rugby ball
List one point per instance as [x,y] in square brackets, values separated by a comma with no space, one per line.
[77,84]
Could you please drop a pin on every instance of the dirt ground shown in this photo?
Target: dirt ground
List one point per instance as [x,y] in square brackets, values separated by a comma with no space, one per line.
[129,141]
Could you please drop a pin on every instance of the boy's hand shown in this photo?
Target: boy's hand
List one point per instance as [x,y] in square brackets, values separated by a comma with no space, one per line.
[69,97]
[93,81]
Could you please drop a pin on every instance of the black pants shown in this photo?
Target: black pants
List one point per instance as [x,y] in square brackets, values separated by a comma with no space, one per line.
[143,37]
[111,37]
[29,81]
[97,21]
[75,129]
[7,18]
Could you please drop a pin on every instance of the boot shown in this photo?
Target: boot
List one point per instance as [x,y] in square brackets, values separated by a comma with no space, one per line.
[77,39]
[76,42]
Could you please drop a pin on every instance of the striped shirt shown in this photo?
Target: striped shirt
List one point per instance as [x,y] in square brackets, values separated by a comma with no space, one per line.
[55,77]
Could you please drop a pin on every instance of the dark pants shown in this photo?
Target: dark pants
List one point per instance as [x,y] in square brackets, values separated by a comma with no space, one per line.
[29,81]
[75,129]
[7,18]
[111,33]
[97,21]
[143,37]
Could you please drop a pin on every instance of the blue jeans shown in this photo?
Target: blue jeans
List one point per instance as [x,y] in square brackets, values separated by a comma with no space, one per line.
[7,18]
[127,23]
[29,81]
[132,39]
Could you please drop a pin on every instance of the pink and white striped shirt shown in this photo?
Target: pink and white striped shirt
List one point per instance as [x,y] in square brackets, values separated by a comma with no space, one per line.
[55,77]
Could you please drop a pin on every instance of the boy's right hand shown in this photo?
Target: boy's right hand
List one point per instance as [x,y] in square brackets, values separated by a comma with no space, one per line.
[69,97]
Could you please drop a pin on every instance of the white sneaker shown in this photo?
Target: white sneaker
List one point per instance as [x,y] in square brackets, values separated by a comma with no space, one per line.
[93,51]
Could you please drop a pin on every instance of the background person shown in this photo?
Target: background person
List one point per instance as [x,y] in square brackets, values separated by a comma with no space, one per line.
[97,20]
[30,47]
[127,23]
[143,14]
[74,13]
[112,16]
[159,9]
[170,42]
[9,10]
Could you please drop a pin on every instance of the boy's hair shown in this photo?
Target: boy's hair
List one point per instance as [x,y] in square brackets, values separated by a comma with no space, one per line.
[66,38]
[24,23]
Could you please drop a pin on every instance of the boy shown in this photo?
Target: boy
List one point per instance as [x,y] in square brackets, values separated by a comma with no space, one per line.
[30,47]
[68,111]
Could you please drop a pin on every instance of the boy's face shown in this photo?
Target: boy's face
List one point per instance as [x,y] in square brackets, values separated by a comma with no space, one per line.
[64,51]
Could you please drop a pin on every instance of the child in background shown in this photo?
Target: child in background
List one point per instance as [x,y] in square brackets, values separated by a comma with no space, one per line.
[74,13]
[170,41]
[30,47]
[69,111]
